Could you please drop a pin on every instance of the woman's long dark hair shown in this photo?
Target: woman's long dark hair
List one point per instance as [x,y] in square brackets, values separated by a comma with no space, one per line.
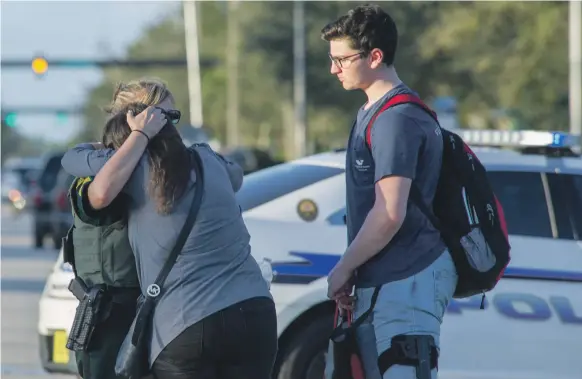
[170,161]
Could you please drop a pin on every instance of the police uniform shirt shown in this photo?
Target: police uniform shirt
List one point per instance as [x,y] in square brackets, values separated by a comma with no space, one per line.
[97,217]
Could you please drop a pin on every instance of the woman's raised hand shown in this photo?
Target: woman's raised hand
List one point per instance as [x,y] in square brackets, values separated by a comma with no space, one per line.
[150,121]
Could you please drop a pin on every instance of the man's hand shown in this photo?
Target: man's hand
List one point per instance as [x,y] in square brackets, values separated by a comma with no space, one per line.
[346,301]
[338,282]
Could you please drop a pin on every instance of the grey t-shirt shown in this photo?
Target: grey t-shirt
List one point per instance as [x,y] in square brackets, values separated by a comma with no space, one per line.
[406,142]
[215,268]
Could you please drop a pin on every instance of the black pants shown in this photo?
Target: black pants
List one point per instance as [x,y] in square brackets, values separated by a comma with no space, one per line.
[239,342]
[98,361]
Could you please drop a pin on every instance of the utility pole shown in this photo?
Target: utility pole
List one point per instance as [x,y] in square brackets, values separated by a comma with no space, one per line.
[193,63]
[299,92]
[232,53]
[575,49]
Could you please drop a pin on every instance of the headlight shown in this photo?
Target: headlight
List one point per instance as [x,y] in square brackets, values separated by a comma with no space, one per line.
[58,282]
[66,267]
[58,291]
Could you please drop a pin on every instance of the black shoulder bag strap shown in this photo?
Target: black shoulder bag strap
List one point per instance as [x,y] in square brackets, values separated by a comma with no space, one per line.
[186,229]
[154,289]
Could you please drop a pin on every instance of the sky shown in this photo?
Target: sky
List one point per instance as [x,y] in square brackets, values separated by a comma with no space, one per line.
[65,29]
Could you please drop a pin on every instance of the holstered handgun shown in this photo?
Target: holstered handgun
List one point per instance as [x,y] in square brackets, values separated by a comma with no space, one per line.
[86,316]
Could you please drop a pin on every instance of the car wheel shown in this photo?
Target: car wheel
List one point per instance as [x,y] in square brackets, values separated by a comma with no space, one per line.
[304,356]
[57,242]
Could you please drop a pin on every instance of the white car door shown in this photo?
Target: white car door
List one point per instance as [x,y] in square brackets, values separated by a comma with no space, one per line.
[532,323]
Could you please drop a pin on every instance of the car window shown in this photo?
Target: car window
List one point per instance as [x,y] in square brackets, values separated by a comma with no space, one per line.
[577,181]
[567,201]
[64,180]
[270,183]
[523,199]
[48,177]
[576,210]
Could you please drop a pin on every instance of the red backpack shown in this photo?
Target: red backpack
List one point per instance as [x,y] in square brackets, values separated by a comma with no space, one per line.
[465,211]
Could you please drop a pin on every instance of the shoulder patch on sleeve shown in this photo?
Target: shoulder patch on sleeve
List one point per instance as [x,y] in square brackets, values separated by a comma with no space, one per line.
[82,183]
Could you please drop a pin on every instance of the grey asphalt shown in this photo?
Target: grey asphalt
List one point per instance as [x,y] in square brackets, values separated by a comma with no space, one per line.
[23,273]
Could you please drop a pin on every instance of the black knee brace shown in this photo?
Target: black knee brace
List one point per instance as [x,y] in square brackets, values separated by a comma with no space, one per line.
[411,350]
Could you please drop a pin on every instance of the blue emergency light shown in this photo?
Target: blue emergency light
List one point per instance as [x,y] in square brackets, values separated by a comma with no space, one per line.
[558,139]
[517,138]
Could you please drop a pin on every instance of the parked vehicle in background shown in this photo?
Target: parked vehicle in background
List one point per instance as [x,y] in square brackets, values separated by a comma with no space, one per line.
[251,159]
[61,216]
[40,197]
[18,177]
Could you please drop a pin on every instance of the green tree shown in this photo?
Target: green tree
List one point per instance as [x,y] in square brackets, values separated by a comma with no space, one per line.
[510,55]
[258,86]
[488,55]
[268,30]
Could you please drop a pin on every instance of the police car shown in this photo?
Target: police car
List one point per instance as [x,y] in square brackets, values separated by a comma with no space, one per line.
[531,326]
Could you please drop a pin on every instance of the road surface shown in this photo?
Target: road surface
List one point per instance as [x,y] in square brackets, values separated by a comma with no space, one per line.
[23,273]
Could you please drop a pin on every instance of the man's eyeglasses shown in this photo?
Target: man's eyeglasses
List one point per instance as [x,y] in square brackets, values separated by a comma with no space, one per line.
[345,62]
[172,115]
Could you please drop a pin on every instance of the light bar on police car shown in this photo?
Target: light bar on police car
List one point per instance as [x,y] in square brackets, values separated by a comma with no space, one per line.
[517,138]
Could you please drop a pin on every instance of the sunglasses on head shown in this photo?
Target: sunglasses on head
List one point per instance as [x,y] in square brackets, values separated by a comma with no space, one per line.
[172,115]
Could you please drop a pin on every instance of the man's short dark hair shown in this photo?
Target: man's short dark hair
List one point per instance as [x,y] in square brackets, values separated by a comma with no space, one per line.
[367,27]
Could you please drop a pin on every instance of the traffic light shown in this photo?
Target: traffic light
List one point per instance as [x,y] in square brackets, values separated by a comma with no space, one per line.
[62,117]
[39,66]
[10,119]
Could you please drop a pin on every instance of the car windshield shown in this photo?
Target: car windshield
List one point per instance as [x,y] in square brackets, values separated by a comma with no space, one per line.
[268,184]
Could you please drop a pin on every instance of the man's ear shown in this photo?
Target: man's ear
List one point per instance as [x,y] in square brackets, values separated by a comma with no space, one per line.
[376,57]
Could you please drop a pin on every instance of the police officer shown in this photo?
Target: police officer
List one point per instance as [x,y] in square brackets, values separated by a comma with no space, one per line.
[98,247]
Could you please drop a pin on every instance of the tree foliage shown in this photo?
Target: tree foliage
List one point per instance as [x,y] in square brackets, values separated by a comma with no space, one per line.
[488,55]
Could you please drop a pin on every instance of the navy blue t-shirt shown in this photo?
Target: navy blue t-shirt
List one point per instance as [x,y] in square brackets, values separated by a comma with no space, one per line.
[406,142]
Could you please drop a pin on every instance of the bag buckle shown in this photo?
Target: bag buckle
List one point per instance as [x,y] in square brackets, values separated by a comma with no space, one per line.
[153,290]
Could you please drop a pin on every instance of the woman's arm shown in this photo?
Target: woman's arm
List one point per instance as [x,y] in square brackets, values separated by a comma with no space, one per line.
[110,180]
[85,159]
[117,170]
[234,170]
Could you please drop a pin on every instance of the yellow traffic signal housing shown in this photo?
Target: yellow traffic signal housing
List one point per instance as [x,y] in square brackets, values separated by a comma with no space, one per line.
[39,66]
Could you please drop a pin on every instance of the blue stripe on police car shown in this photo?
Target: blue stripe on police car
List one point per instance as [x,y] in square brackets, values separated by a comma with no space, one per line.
[312,266]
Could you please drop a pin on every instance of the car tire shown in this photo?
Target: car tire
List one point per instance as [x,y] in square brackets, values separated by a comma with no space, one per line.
[304,355]
[57,242]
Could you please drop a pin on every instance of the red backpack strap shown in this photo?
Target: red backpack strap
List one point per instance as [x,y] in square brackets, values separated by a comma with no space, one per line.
[402,98]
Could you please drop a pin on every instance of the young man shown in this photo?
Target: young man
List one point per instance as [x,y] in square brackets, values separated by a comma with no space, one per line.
[392,245]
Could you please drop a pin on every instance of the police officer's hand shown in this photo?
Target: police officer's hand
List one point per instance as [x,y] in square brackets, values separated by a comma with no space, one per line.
[150,121]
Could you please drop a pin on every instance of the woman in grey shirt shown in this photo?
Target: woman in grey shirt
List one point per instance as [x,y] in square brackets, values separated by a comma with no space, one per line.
[215,317]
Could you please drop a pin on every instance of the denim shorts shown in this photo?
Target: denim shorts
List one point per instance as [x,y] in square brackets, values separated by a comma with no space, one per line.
[415,305]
